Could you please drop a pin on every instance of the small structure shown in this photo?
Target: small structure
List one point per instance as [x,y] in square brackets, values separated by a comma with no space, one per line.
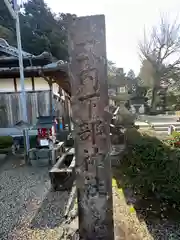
[161,106]
[46,126]
[62,174]
[137,104]
[118,88]
[47,95]
[18,141]
[171,129]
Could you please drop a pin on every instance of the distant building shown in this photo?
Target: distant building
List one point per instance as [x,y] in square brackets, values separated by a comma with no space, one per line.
[46,85]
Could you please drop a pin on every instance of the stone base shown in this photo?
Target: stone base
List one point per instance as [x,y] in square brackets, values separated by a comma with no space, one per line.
[2,158]
[40,157]
[116,154]
[46,156]
[62,174]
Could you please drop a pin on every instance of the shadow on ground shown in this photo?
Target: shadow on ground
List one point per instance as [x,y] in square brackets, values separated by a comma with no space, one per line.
[148,172]
[29,209]
[51,212]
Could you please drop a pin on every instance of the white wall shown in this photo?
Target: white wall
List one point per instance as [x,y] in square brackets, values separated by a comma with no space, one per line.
[7,85]
[55,88]
[39,84]
[28,84]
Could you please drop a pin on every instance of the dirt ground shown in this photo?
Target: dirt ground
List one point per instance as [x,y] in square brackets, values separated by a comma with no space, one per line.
[127,224]
[136,221]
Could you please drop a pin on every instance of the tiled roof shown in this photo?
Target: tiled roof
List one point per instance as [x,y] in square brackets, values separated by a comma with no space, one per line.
[10,50]
[34,66]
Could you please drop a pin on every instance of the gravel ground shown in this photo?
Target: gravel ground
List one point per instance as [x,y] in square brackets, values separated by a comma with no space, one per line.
[26,209]
[164,230]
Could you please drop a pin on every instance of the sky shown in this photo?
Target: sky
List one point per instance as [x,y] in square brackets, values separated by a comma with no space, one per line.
[125,23]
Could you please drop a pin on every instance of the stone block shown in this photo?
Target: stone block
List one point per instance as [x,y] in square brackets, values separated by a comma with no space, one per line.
[40,157]
[46,156]
[62,174]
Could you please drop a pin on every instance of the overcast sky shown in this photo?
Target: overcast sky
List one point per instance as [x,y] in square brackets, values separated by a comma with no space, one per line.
[125,21]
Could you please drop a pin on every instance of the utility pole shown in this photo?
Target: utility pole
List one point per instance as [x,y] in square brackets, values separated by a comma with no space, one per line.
[88,73]
[14,11]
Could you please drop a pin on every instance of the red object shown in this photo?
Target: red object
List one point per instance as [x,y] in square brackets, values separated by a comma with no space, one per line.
[48,133]
[44,133]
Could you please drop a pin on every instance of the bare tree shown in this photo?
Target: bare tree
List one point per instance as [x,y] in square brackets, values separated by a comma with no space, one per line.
[162,50]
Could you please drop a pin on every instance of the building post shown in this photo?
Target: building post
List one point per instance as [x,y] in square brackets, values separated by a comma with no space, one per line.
[51,112]
[23,91]
[67,113]
[14,11]
[88,73]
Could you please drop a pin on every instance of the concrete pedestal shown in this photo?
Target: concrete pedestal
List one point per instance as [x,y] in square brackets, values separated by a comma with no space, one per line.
[62,174]
[46,156]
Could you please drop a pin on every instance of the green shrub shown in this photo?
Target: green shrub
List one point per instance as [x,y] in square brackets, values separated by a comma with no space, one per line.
[152,168]
[33,141]
[176,135]
[174,140]
[5,142]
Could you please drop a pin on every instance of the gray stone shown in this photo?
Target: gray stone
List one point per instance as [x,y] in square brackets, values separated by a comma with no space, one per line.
[2,156]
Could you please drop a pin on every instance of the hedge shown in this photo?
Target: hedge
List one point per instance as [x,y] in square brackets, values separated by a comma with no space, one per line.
[151,167]
[5,142]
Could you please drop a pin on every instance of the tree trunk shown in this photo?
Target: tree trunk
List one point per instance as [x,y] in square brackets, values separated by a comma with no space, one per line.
[154,92]
[153,102]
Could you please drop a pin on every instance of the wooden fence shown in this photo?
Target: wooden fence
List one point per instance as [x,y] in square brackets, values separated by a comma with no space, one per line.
[38,103]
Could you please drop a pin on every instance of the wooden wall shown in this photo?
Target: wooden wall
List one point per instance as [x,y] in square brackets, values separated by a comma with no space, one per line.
[38,103]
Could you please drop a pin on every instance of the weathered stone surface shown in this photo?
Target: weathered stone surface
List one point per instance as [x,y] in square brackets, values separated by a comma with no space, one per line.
[40,157]
[45,156]
[2,156]
[62,174]
[88,71]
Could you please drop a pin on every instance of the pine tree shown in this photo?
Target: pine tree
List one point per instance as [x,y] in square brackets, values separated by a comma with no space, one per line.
[41,29]
[131,74]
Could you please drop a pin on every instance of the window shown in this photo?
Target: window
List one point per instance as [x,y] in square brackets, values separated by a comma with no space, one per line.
[122,89]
